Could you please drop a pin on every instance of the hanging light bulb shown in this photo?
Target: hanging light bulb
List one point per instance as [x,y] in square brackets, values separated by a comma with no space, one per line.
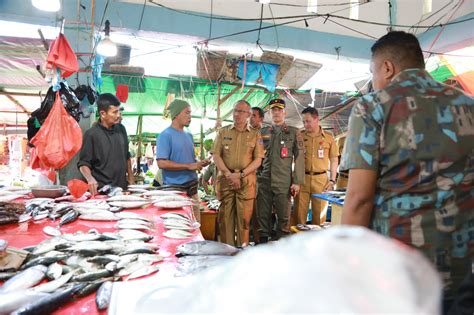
[47,5]
[264,1]
[312,6]
[107,47]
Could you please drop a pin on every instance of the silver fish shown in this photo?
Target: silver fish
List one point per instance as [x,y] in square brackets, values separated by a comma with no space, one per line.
[55,271]
[132,226]
[143,272]
[111,266]
[43,260]
[13,300]
[81,237]
[69,217]
[25,279]
[51,231]
[126,259]
[129,204]
[103,296]
[99,216]
[91,276]
[5,275]
[192,264]
[135,221]
[126,198]
[174,215]
[49,303]
[132,267]
[206,248]
[131,215]
[51,286]
[134,235]
[178,234]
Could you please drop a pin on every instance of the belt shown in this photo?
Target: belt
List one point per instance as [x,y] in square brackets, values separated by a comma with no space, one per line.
[234,171]
[344,175]
[314,173]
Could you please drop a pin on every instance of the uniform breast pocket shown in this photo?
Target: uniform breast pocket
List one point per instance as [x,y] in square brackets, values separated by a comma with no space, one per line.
[226,148]
[250,147]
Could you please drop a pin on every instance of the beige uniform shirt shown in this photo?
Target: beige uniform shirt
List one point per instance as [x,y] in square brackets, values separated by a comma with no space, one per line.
[238,148]
[314,162]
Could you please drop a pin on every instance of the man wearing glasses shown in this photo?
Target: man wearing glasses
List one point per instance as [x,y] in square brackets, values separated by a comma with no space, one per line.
[237,152]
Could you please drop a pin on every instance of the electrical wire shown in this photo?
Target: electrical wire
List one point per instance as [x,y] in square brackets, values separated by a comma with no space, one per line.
[307,16]
[276,31]
[210,22]
[431,15]
[143,12]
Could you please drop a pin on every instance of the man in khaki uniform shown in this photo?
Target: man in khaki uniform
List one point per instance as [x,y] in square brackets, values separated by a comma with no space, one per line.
[320,152]
[278,178]
[237,152]
[343,175]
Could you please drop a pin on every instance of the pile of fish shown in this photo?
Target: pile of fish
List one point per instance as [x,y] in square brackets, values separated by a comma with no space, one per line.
[77,265]
[8,194]
[10,212]
[200,255]
[178,225]
[213,204]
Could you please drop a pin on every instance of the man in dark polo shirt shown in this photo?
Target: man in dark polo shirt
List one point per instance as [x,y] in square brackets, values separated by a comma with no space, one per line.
[104,153]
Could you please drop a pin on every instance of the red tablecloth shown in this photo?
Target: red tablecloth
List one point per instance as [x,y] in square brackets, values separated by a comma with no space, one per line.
[31,233]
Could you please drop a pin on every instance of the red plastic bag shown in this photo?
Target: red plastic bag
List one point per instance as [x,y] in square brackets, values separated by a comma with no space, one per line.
[60,137]
[37,165]
[122,92]
[77,187]
[62,56]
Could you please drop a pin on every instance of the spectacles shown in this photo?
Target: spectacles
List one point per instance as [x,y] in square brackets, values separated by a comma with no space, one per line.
[240,111]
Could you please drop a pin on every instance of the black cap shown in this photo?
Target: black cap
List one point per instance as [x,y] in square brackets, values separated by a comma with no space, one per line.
[277,102]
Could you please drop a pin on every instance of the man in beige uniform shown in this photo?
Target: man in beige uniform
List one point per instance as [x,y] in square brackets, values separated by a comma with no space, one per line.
[321,152]
[343,176]
[237,152]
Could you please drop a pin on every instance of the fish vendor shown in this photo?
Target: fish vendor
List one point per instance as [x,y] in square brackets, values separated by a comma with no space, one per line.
[238,153]
[104,155]
[175,152]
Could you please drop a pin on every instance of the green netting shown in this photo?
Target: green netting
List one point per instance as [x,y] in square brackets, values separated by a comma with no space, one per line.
[148,95]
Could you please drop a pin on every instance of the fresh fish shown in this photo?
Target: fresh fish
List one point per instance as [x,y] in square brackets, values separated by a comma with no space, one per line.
[152,258]
[143,272]
[134,235]
[24,217]
[99,216]
[92,204]
[131,215]
[126,198]
[105,259]
[91,276]
[135,221]
[81,237]
[129,204]
[41,215]
[109,236]
[132,267]
[173,204]
[55,271]
[49,303]
[192,264]
[115,209]
[198,248]
[92,210]
[13,300]
[179,227]
[51,231]
[29,248]
[177,234]
[43,260]
[131,226]
[91,287]
[103,296]
[138,250]
[25,279]
[111,266]
[51,286]
[5,275]
[177,222]
[125,260]
[90,245]
[69,217]
[174,215]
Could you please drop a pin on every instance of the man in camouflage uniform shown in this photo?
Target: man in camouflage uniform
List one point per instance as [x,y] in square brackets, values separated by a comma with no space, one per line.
[283,147]
[237,152]
[410,155]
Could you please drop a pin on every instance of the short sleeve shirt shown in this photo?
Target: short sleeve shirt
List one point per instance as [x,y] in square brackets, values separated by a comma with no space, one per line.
[176,146]
[322,141]
[238,148]
[418,135]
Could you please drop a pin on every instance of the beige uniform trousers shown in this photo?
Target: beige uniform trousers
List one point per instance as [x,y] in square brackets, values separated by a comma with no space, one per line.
[313,184]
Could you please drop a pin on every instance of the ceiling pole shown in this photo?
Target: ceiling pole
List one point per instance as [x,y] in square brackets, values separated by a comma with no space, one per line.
[15,101]
[218,117]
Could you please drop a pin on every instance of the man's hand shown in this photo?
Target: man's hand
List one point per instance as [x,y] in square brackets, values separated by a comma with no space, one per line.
[329,186]
[295,190]
[234,180]
[92,186]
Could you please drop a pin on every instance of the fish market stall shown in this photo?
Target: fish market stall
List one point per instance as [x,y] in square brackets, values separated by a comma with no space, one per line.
[162,230]
[336,199]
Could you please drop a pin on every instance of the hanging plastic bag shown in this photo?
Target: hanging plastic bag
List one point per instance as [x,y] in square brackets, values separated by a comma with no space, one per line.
[62,56]
[60,137]
[37,165]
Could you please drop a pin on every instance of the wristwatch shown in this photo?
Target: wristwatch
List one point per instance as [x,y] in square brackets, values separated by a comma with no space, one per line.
[242,175]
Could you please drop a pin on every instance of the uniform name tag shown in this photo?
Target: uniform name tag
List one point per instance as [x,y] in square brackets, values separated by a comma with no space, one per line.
[284,152]
[320,153]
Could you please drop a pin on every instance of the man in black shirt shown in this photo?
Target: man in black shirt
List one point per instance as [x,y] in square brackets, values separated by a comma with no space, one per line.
[104,153]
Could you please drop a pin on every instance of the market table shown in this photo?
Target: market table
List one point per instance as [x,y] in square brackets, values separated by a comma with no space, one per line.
[336,206]
[31,233]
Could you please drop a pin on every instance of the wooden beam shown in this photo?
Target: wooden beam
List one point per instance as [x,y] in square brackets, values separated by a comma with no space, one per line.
[225,98]
[19,93]
[17,103]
